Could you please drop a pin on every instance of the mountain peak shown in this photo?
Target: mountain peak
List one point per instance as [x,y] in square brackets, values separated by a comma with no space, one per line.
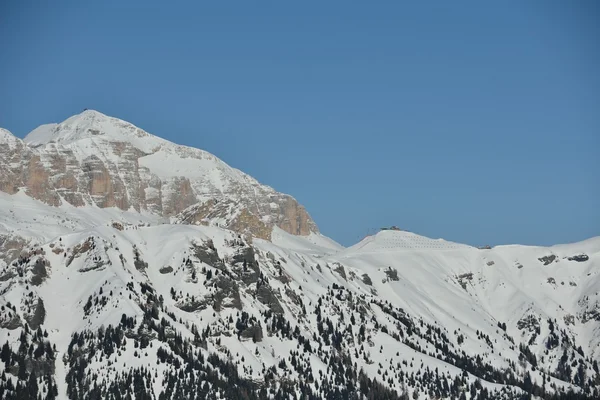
[6,137]
[4,133]
[90,117]
[110,162]
[396,240]
[92,124]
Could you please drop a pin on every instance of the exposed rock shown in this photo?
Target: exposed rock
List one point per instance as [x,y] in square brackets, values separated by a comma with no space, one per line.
[80,249]
[467,276]
[339,268]
[6,276]
[106,170]
[392,274]
[166,270]
[579,258]
[293,297]
[39,271]
[367,280]
[37,181]
[245,255]
[11,247]
[227,289]
[192,305]
[265,295]
[177,196]
[284,278]
[589,315]
[463,278]
[569,319]
[253,332]
[11,323]
[529,322]
[295,219]
[38,316]
[547,260]
[207,253]
[247,222]
[139,264]
[249,272]
[94,265]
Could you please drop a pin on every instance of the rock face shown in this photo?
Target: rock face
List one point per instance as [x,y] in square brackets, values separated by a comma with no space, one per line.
[94,159]
[579,258]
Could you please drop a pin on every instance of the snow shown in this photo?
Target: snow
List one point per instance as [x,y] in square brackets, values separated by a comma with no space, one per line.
[122,148]
[428,273]
[391,240]
[90,124]
[5,135]
[7,138]
[455,287]
[167,163]
[29,218]
[315,243]
[41,135]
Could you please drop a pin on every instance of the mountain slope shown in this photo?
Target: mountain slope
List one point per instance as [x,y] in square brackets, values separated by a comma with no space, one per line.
[93,159]
[135,268]
[197,312]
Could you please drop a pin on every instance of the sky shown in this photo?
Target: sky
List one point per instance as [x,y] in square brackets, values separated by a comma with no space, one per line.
[478,122]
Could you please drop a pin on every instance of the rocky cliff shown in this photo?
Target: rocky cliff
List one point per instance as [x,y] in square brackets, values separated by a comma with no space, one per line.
[93,159]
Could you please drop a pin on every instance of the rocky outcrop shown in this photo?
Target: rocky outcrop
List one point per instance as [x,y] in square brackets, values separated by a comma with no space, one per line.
[37,315]
[94,159]
[295,218]
[547,260]
[11,247]
[266,295]
[39,272]
[282,211]
[579,258]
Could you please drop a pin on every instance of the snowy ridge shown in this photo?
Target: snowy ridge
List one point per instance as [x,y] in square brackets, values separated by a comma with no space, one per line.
[392,240]
[315,243]
[91,132]
[8,139]
[92,124]
[41,135]
[397,308]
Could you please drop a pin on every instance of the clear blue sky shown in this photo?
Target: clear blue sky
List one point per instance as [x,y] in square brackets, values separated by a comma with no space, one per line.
[474,121]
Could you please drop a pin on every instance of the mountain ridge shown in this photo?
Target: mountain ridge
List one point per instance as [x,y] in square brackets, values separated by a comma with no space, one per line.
[398,296]
[228,295]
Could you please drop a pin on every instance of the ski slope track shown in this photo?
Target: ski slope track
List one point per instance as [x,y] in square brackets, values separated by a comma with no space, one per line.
[110,290]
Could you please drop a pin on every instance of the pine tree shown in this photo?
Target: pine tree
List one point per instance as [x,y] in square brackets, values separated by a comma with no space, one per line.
[32,385]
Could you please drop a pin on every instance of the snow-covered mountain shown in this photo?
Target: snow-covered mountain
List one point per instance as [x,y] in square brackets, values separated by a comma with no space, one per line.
[104,294]
[94,159]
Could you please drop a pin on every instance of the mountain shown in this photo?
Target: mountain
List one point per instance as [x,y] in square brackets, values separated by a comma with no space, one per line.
[105,295]
[94,159]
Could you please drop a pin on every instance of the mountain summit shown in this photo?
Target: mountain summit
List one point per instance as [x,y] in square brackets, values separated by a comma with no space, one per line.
[92,124]
[94,159]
